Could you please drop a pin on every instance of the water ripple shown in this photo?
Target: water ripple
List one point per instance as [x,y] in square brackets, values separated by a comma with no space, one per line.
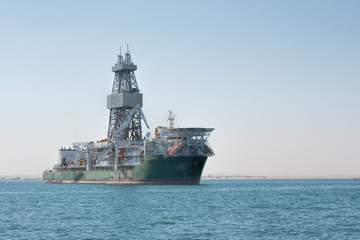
[231,209]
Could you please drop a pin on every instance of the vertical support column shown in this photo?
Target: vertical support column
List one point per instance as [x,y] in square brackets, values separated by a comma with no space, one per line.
[116,154]
[89,160]
[121,149]
[202,143]
[188,144]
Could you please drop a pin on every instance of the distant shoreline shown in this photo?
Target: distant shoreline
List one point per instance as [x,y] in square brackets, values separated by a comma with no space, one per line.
[283,176]
[19,178]
[274,178]
[213,177]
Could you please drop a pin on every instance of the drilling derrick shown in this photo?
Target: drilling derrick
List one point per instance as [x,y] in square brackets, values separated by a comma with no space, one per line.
[125,96]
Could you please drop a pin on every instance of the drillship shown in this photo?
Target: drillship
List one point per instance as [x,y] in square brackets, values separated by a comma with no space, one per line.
[172,156]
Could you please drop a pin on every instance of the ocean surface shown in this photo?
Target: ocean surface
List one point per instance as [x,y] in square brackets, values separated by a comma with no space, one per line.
[215,209]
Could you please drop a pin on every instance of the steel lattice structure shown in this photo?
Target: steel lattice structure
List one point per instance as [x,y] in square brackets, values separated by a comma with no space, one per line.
[189,142]
[125,95]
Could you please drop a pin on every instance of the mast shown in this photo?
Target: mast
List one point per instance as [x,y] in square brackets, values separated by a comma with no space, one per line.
[171,119]
[124,97]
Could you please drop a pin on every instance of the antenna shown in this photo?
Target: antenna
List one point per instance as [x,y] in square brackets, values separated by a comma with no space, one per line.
[171,119]
[120,60]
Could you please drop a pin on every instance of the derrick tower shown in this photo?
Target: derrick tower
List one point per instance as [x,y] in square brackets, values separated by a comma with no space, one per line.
[125,96]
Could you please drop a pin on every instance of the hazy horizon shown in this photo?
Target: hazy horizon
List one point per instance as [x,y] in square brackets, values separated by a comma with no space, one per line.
[278,80]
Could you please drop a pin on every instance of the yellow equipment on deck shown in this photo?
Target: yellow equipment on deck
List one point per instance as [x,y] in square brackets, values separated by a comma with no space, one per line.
[157,130]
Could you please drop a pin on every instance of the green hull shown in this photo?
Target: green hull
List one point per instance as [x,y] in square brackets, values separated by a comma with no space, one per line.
[154,170]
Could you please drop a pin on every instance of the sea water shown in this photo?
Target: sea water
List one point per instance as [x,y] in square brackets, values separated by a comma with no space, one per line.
[215,209]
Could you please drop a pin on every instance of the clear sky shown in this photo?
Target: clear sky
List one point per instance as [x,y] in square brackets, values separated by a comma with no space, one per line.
[278,80]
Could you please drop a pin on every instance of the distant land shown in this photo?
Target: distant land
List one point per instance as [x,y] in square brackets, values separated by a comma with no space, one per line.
[283,176]
[215,177]
[18,177]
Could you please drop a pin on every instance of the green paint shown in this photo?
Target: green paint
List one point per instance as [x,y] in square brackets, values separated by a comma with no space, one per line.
[154,167]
